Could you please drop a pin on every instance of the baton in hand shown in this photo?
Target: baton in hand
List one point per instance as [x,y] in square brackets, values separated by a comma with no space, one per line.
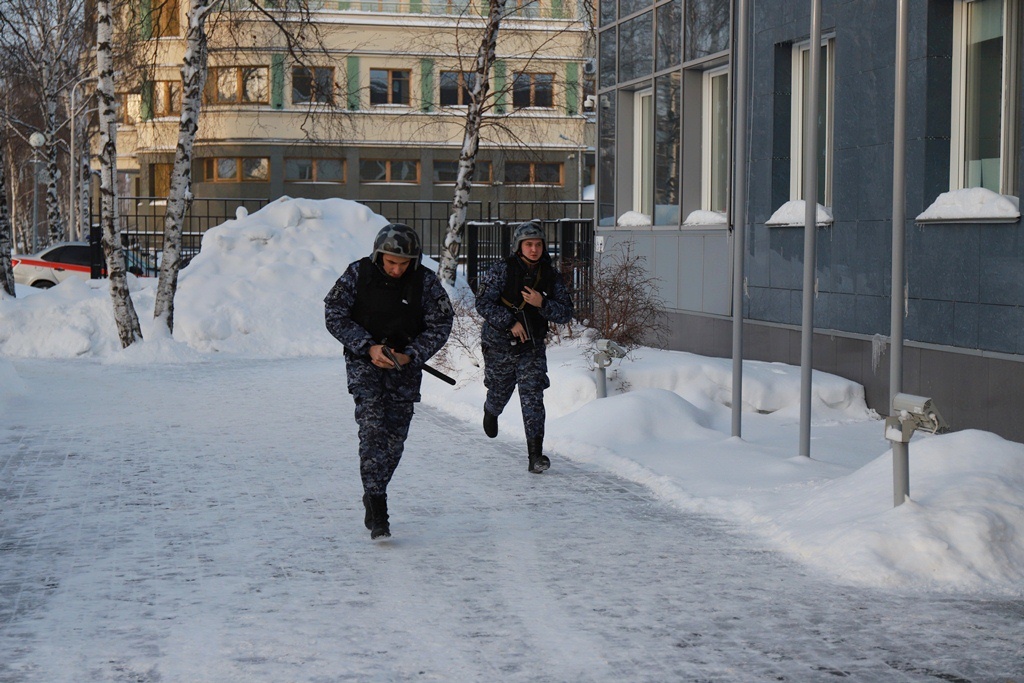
[398,366]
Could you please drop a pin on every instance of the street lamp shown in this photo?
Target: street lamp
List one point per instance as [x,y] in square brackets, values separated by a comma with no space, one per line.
[37,140]
[579,168]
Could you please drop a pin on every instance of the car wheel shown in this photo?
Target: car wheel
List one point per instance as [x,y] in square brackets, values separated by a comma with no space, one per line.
[42,284]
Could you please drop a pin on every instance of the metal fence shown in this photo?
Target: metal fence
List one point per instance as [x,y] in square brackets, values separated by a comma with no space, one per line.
[569,227]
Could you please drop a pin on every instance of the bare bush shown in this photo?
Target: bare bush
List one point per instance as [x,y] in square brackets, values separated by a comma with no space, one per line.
[626,305]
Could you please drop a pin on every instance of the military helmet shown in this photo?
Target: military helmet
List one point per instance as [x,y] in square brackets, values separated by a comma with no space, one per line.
[398,239]
[530,230]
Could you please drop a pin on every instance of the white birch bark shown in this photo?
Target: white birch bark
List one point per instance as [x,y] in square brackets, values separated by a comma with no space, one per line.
[83,191]
[54,217]
[470,143]
[6,276]
[127,320]
[193,78]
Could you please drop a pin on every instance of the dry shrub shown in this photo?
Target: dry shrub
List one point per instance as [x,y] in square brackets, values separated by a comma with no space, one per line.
[626,305]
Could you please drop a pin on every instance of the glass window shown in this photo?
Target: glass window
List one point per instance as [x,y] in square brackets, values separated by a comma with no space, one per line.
[166,18]
[446,172]
[160,179]
[314,170]
[455,88]
[627,7]
[707,28]
[643,151]
[533,173]
[532,90]
[986,102]
[237,85]
[389,171]
[237,169]
[608,13]
[312,85]
[607,58]
[636,55]
[166,98]
[128,107]
[389,86]
[255,169]
[606,160]
[667,148]
[715,146]
[670,34]
[822,127]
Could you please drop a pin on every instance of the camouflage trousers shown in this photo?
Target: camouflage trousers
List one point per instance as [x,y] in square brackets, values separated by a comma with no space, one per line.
[383,428]
[504,370]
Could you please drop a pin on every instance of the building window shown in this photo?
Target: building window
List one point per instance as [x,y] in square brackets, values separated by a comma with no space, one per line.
[456,87]
[643,151]
[389,86]
[160,179]
[314,170]
[533,173]
[165,17]
[312,85]
[527,9]
[166,98]
[389,171]
[237,169]
[986,94]
[667,148]
[128,107]
[533,90]
[446,172]
[823,126]
[715,131]
[237,85]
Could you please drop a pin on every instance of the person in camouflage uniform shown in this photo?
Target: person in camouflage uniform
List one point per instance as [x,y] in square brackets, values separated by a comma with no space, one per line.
[517,298]
[386,303]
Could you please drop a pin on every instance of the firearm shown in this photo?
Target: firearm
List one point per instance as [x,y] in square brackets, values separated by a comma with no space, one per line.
[398,366]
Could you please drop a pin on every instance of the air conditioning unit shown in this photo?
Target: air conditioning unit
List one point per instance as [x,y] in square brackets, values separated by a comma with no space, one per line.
[590,67]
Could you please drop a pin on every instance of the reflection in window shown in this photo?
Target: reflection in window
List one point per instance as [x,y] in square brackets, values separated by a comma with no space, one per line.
[667,149]
[446,172]
[987,102]
[606,160]
[532,173]
[532,90]
[237,170]
[607,58]
[627,7]
[314,170]
[636,55]
[389,171]
[456,87]
[608,8]
[670,34]
[314,84]
[166,98]
[715,189]
[389,86]
[823,126]
[237,85]
[707,28]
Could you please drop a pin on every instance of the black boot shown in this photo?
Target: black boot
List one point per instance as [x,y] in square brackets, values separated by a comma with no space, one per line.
[379,512]
[368,519]
[490,424]
[538,461]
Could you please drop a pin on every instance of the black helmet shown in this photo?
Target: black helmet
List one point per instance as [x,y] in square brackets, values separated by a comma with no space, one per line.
[527,231]
[398,239]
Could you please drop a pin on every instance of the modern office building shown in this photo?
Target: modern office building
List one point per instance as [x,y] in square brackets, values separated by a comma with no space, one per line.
[665,184]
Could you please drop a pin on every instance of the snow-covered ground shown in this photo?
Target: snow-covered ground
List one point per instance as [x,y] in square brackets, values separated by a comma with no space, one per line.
[188,509]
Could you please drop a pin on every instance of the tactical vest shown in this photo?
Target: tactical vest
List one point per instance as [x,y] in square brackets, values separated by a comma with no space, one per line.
[388,308]
[542,279]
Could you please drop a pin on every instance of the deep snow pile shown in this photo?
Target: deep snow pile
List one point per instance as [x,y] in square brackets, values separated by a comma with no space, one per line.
[256,291]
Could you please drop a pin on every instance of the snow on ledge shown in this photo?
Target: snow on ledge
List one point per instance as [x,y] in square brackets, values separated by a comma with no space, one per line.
[633,219]
[791,214]
[972,205]
[701,217]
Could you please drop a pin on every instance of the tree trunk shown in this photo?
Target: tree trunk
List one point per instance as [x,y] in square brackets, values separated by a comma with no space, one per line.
[83,191]
[6,276]
[124,311]
[193,78]
[470,143]
[54,220]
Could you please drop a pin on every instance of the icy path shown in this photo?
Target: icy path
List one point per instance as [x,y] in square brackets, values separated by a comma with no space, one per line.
[219,538]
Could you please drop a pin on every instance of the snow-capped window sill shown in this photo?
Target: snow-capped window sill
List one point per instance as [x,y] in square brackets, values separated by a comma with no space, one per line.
[972,205]
[706,220]
[791,215]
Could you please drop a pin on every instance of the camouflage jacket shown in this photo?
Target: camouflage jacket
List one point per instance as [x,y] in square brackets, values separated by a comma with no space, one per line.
[366,380]
[499,318]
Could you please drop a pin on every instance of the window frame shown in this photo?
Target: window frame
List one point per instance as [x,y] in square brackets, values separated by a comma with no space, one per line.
[165,18]
[643,153]
[388,175]
[164,91]
[708,138]
[390,87]
[315,166]
[477,175]
[1010,109]
[533,173]
[464,96]
[797,109]
[532,75]
[315,94]
[211,91]
[211,169]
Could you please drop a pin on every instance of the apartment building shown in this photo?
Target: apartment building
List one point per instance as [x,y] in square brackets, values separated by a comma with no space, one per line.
[372,107]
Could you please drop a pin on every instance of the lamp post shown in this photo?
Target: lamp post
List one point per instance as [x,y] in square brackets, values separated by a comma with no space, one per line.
[37,140]
[73,232]
[579,168]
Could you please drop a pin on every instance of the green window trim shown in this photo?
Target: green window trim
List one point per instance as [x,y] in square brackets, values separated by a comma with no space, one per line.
[500,96]
[427,84]
[352,69]
[146,102]
[277,81]
[556,9]
[572,88]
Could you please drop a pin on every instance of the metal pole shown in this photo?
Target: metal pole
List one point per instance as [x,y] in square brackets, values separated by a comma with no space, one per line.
[900,450]
[739,207]
[810,167]
[35,201]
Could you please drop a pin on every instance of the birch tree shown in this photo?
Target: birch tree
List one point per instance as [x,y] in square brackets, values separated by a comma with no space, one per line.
[193,81]
[6,275]
[470,142]
[127,320]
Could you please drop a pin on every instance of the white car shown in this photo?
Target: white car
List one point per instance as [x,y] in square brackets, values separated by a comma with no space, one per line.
[54,264]
[60,261]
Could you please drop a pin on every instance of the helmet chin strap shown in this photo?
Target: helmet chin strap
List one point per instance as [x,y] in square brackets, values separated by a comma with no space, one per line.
[528,260]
